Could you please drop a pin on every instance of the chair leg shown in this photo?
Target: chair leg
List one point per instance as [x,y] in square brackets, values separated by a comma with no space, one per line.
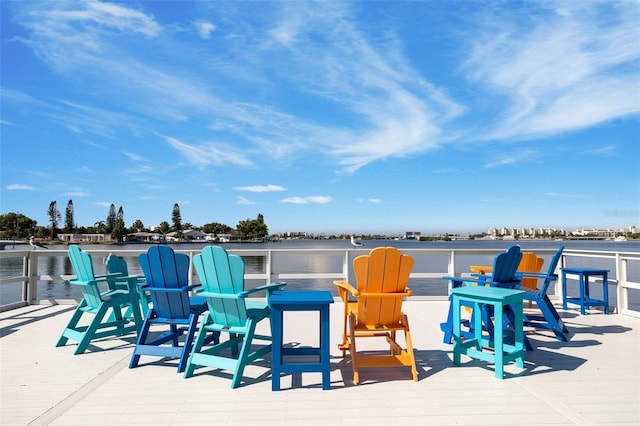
[447,326]
[188,343]
[352,348]
[243,357]
[91,330]
[142,338]
[409,343]
[73,323]
[344,346]
[553,319]
[197,345]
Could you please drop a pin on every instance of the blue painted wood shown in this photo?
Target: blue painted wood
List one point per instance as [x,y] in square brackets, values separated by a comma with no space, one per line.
[306,300]
[99,304]
[585,300]
[167,282]
[222,278]
[550,319]
[494,351]
[505,266]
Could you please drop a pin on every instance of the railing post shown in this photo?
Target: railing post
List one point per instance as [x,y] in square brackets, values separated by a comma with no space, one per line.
[451,268]
[31,293]
[557,293]
[269,268]
[621,290]
[345,265]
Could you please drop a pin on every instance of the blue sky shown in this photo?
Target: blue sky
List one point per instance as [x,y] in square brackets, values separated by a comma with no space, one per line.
[355,117]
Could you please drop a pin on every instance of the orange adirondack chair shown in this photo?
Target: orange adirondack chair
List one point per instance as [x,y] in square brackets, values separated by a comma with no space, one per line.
[530,263]
[374,309]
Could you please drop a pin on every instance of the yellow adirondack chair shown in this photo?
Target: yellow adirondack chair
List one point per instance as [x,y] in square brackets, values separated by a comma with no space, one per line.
[374,309]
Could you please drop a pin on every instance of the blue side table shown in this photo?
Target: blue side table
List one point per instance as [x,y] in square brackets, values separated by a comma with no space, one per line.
[306,300]
[479,347]
[585,300]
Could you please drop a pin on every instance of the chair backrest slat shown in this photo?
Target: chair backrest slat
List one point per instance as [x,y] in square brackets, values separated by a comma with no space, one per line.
[82,265]
[163,268]
[222,273]
[530,263]
[551,272]
[383,270]
[505,267]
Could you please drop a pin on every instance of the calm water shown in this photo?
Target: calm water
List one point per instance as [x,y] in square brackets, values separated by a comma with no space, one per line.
[59,265]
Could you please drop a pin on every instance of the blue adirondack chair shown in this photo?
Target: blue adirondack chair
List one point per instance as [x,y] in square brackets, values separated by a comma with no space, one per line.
[222,278]
[549,320]
[167,282]
[505,266]
[117,266]
[100,303]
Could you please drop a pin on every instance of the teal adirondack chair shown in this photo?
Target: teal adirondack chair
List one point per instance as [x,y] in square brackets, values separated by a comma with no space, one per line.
[116,265]
[222,278]
[99,304]
[167,282]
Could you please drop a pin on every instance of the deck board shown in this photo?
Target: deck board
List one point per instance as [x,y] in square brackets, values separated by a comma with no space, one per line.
[592,379]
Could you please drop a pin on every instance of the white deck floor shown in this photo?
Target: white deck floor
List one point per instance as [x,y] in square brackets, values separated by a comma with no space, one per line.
[592,379]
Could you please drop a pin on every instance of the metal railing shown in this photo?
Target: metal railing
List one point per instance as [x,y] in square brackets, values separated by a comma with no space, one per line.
[298,266]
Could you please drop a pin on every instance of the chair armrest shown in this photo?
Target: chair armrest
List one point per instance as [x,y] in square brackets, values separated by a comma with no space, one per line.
[389,295]
[536,275]
[235,296]
[346,286]
[458,281]
[269,288]
[169,290]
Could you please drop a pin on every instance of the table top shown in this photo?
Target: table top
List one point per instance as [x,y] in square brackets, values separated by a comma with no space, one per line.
[579,270]
[300,297]
[494,293]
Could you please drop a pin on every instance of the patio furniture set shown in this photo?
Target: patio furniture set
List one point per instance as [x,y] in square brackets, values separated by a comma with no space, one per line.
[214,324]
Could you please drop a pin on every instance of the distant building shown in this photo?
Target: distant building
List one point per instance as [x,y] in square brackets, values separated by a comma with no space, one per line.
[84,238]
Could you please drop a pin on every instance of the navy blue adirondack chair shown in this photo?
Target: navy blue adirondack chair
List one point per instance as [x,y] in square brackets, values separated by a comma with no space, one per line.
[167,282]
[100,303]
[222,278]
[505,266]
[549,320]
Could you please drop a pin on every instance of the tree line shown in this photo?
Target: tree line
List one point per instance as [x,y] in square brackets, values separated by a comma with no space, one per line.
[18,226]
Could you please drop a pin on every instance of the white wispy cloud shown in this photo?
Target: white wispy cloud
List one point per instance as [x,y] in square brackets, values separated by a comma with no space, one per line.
[400,113]
[218,154]
[506,159]
[79,194]
[244,201]
[374,200]
[204,29]
[605,150]
[134,157]
[103,203]
[106,15]
[260,188]
[567,69]
[314,199]
[19,187]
